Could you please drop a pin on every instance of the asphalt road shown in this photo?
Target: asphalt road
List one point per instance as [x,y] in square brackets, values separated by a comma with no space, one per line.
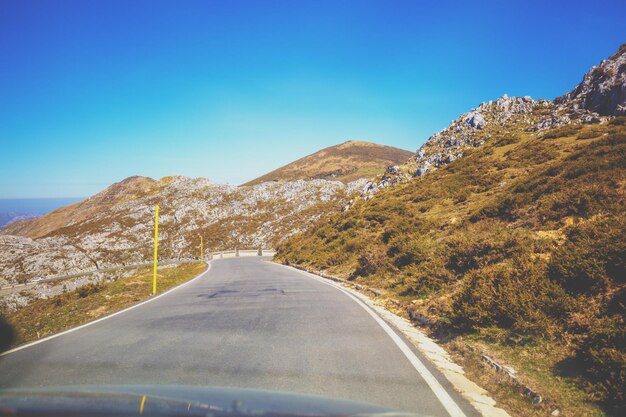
[246,323]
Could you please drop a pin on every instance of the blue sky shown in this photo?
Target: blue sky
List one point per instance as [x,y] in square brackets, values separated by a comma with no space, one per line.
[94,91]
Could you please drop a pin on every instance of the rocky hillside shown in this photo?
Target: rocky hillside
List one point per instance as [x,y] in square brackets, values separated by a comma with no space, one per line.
[514,245]
[603,89]
[602,93]
[115,225]
[518,247]
[346,162]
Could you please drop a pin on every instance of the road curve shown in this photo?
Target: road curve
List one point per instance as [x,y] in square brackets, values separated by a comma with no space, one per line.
[246,323]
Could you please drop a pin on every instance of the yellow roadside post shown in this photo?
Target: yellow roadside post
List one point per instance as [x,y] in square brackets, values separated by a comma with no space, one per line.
[156,248]
[201,249]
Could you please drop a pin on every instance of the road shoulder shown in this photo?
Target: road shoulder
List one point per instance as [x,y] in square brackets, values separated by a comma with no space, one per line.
[172,285]
[478,397]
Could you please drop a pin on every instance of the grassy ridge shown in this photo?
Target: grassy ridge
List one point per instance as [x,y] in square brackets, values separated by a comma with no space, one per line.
[345,162]
[518,246]
[48,316]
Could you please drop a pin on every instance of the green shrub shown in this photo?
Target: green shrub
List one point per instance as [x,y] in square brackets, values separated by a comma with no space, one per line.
[410,250]
[618,121]
[562,131]
[485,243]
[589,133]
[510,295]
[507,140]
[371,260]
[88,289]
[593,258]
[426,278]
[503,208]
[604,359]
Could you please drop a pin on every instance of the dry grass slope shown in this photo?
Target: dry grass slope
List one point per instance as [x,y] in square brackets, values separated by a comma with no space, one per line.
[48,316]
[517,247]
[345,162]
[83,210]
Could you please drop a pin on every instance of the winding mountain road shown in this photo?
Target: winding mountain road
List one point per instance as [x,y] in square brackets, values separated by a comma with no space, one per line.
[245,323]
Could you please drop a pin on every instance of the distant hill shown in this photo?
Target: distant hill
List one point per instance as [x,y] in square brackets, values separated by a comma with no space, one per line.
[346,162]
[16,209]
[79,211]
[11,216]
[115,225]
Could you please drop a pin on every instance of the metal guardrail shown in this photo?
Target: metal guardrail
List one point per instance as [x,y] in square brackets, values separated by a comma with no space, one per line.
[212,255]
[241,253]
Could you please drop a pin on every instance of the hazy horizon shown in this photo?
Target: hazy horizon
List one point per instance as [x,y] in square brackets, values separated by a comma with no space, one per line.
[12,207]
[35,204]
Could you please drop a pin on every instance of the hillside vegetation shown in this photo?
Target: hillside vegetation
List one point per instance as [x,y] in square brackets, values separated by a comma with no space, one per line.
[51,315]
[518,245]
[345,162]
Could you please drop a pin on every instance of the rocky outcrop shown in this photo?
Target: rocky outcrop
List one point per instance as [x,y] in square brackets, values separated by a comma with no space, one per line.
[22,258]
[115,226]
[600,95]
[489,121]
[474,128]
[603,88]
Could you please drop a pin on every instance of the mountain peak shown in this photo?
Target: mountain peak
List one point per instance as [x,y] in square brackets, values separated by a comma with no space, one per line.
[346,162]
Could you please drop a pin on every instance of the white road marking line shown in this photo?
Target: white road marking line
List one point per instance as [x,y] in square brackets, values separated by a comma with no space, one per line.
[73,329]
[440,392]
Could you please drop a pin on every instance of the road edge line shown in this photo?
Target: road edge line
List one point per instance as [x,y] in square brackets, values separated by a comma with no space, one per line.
[477,396]
[440,392]
[73,329]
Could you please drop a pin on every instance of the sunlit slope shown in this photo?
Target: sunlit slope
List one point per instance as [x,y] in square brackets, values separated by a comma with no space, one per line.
[521,240]
[75,213]
[600,94]
[345,162]
[115,226]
